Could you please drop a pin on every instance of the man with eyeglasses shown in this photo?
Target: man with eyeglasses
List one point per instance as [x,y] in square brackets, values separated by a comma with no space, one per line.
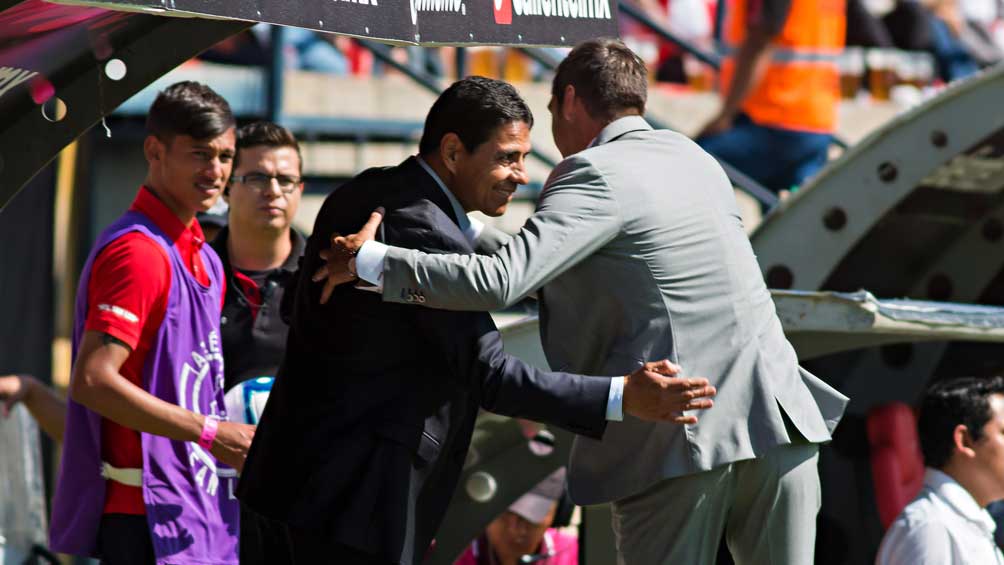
[259,252]
[259,249]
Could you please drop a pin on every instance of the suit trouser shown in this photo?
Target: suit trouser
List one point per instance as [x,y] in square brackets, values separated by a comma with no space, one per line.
[263,541]
[766,508]
[317,548]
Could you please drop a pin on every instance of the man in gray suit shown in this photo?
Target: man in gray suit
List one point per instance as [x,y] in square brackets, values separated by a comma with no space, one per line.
[637,251]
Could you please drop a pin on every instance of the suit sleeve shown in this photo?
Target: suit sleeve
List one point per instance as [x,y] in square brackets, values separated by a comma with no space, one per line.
[577,215]
[472,346]
[490,240]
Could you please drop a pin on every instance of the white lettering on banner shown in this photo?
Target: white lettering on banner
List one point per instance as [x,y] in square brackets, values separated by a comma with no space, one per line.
[444,6]
[11,77]
[594,9]
[368,2]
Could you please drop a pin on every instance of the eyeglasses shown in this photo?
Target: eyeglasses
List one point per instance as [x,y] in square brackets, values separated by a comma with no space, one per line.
[261,181]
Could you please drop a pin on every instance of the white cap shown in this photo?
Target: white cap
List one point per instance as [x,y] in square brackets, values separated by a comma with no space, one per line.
[533,507]
[537,504]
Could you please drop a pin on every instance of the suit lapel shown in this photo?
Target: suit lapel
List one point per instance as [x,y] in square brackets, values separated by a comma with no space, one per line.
[428,187]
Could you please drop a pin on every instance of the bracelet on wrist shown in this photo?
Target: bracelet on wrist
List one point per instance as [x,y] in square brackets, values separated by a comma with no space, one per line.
[210,426]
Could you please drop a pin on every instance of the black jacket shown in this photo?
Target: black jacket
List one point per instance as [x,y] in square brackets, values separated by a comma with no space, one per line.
[253,344]
[367,428]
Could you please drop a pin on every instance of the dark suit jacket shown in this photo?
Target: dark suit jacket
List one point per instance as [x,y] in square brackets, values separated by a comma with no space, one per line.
[366,431]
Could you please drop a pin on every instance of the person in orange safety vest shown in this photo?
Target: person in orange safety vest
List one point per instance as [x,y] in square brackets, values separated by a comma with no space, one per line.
[781,89]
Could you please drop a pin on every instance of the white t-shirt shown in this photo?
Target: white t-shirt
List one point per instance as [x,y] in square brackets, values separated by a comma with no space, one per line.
[944,525]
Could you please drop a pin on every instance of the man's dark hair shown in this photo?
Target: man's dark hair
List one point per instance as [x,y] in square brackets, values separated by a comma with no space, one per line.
[264,134]
[267,134]
[189,108]
[945,405]
[609,77]
[472,108]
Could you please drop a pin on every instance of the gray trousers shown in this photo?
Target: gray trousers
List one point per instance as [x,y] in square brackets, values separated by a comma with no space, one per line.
[766,507]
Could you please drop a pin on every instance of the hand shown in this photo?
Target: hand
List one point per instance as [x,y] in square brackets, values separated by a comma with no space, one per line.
[232,443]
[342,252]
[14,389]
[718,124]
[651,393]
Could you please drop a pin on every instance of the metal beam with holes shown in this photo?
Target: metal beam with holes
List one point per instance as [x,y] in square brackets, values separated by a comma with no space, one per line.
[73,68]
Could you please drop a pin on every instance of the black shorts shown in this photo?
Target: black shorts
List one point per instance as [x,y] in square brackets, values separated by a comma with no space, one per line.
[124,539]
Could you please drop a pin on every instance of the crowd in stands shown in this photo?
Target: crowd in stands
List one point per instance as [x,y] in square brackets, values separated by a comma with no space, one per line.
[888,42]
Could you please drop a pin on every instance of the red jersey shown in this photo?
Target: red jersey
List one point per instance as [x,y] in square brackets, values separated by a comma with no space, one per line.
[127,298]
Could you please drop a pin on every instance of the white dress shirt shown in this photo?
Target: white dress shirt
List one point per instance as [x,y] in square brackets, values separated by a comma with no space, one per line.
[943,525]
[370,260]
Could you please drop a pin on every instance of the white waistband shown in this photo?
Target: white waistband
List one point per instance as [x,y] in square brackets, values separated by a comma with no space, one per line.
[129,477]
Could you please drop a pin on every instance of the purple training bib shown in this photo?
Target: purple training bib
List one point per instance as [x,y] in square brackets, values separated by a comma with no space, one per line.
[190,507]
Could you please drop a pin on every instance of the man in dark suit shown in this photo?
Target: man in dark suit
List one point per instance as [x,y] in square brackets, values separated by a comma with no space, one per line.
[364,436]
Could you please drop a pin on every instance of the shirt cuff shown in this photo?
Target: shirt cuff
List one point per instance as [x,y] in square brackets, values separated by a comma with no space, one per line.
[615,400]
[369,262]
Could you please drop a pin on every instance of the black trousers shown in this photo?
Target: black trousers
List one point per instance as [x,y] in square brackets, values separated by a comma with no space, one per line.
[311,547]
[124,539]
[263,541]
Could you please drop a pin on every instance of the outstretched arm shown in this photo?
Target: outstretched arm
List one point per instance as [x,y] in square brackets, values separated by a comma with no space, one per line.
[577,215]
[506,385]
[47,407]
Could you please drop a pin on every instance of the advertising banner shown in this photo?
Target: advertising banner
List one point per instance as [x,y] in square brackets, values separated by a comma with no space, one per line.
[426,22]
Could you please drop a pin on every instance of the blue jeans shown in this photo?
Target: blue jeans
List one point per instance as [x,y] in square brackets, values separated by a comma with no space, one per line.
[779,159]
[954,62]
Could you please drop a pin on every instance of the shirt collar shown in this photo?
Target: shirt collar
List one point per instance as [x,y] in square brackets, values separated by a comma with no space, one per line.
[292,262]
[958,498]
[470,231]
[619,127]
[152,207]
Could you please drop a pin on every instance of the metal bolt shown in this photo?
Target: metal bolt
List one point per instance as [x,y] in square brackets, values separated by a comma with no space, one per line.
[939,138]
[481,486]
[542,443]
[835,219]
[780,277]
[887,172]
[115,69]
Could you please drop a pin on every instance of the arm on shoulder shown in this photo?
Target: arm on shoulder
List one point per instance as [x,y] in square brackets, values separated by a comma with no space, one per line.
[577,215]
[501,383]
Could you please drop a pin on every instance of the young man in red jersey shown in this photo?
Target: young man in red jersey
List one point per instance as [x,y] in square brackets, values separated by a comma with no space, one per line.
[140,479]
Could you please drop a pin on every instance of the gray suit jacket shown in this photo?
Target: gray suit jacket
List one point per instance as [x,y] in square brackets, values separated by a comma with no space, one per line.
[638,251]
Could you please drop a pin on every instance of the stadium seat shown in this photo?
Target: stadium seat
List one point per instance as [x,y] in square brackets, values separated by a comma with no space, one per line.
[897,463]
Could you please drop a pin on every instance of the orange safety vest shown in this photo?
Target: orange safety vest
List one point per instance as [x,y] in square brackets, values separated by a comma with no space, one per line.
[801,88]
